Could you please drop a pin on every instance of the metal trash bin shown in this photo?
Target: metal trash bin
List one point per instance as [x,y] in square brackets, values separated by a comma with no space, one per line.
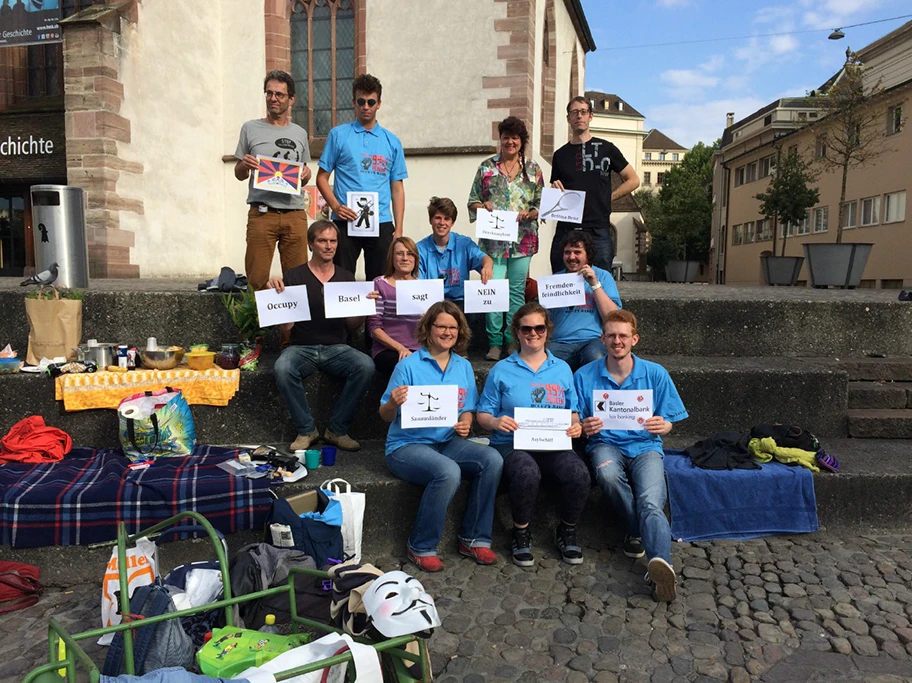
[58,227]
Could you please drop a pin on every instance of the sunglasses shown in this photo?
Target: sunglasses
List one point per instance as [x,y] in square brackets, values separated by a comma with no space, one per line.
[370,103]
[529,329]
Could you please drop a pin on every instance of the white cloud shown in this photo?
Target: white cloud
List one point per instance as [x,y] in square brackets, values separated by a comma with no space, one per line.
[674,3]
[688,124]
[687,84]
[781,17]
[714,63]
[781,45]
[835,13]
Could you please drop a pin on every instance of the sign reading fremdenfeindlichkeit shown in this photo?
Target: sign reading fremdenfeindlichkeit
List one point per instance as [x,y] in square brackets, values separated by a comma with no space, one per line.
[25,146]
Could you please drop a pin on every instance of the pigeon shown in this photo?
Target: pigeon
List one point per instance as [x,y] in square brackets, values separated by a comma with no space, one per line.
[45,277]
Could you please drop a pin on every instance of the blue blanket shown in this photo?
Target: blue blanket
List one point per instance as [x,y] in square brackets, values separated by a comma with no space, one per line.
[716,504]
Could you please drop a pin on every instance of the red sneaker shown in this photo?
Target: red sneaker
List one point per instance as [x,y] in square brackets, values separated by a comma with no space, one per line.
[480,555]
[429,563]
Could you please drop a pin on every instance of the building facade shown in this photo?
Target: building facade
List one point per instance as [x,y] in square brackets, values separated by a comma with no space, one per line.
[660,154]
[151,97]
[875,199]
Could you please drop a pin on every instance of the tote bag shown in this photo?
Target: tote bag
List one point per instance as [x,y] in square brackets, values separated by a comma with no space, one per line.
[352,515]
[155,424]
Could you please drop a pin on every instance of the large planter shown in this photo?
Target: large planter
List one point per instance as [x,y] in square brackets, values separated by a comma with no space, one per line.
[836,265]
[781,270]
[682,271]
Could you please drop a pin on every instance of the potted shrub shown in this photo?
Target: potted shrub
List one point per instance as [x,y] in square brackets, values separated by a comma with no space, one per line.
[243,311]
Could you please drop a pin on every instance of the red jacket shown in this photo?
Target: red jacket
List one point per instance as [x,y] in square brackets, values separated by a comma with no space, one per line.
[30,440]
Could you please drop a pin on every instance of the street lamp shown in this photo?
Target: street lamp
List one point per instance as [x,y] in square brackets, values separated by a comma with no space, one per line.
[837,34]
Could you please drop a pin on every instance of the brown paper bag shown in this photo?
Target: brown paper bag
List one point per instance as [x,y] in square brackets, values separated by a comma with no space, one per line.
[55,328]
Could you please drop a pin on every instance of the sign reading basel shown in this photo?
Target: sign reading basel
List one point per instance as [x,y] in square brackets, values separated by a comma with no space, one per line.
[30,22]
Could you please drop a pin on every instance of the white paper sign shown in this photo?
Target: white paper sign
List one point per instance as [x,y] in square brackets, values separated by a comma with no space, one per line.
[290,306]
[348,299]
[542,429]
[562,205]
[367,206]
[558,291]
[414,297]
[622,409]
[497,225]
[434,405]
[493,297]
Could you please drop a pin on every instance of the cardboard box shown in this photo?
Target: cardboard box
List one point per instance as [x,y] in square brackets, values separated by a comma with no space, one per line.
[303,502]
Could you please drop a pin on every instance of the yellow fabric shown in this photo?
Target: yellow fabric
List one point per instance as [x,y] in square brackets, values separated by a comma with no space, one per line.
[213,387]
[766,449]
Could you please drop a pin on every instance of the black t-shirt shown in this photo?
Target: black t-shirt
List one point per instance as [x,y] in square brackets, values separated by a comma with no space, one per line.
[317,330]
[588,167]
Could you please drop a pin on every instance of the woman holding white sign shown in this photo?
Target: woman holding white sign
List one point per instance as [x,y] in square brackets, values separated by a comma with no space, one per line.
[509,181]
[435,386]
[534,378]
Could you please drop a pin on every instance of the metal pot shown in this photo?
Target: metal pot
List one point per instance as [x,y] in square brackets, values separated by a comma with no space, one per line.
[103,354]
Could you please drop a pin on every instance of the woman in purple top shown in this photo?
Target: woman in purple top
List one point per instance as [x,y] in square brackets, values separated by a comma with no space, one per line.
[394,334]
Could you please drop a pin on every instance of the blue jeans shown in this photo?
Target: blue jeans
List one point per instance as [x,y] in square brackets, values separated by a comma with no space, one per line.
[636,489]
[602,243]
[440,469]
[297,363]
[578,354]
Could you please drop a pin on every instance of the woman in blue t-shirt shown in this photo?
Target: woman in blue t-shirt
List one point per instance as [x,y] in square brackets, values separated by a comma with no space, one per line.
[438,457]
[533,377]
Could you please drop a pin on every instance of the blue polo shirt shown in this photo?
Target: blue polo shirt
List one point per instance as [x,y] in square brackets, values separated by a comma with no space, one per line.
[364,161]
[418,369]
[459,258]
[513,384]
[581,323]
[645,375]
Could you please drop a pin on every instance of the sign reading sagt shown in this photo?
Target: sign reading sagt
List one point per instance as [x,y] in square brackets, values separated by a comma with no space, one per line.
[622,408]
[558,291]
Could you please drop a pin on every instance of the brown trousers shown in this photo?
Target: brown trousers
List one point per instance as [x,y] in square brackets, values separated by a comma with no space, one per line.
[264,230]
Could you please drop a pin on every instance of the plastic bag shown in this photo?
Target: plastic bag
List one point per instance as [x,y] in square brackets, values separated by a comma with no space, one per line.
[353,505]
[154,424]
[142,569]
[364,657]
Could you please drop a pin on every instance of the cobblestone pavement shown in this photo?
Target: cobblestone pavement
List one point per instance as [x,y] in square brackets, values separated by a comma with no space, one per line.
[821,607]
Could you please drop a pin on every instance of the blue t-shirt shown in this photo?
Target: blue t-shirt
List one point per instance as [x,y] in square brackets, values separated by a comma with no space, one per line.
[364,161]
[581,323]
[645,375]
[513,384]
[418,369]
[460,256]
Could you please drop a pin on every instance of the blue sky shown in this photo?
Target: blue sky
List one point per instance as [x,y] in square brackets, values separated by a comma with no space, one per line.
[685,90]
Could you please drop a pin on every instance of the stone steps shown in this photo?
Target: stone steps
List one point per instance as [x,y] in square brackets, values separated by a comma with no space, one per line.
[880,423]
[880,395]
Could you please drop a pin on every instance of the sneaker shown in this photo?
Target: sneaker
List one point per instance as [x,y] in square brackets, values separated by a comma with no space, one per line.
[662,576]
[522,548]
[343,441]
[429,563]
[480,555]
[633,547]
[565,538]
[303,441]
[493,353]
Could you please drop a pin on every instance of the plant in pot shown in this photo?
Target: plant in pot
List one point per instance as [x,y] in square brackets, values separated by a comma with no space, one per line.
[849,135]
[243,311]
[786,200]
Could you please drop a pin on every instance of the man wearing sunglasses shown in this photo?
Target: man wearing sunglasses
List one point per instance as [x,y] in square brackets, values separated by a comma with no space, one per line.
[585,163]
[273,217]
[364,157]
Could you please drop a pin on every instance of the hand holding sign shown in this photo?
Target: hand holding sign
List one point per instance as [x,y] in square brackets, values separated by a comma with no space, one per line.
[557,291]
[622,409]
[497,225]
[289,305]
[562,205]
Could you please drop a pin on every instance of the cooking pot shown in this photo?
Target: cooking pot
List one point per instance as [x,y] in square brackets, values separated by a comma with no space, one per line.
[103,354]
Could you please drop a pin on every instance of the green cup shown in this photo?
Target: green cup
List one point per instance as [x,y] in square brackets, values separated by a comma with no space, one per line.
[312,459]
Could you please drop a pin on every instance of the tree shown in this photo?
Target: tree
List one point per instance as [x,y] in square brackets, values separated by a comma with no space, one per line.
[788,196]
[850,131]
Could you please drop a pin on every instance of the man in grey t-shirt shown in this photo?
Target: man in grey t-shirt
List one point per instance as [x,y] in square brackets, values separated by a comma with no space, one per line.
[273,217]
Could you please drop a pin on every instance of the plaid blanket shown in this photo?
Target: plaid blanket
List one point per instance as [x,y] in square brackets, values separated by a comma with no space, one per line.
[80,499]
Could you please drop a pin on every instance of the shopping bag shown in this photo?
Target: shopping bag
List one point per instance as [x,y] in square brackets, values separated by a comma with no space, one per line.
[155,424]
[19,586]
[352,515]
[55,328]
[364,657]
[142,569]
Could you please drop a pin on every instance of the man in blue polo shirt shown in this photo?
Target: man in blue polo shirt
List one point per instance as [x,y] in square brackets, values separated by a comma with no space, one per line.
[364,157]
[628,463]
[578,329]
[448,255]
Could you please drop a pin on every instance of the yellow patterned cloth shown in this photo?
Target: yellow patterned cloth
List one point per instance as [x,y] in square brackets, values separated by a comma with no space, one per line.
[213,387]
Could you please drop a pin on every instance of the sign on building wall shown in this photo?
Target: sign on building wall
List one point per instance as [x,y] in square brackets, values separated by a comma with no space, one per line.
[29,22]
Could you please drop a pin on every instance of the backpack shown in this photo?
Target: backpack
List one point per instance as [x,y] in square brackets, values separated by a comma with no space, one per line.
[285,528]
[156,646]
[19,586]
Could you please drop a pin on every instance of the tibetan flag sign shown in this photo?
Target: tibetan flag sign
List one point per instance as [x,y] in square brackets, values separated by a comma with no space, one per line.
[277,175]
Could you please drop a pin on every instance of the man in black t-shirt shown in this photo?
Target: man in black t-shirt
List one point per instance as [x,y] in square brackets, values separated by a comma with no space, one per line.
[321,344]
[585,163]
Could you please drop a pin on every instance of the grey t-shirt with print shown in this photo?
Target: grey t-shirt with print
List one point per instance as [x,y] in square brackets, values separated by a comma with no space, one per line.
[287,143]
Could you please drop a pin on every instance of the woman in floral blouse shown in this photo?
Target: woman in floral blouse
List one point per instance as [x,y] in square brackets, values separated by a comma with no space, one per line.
[509,181]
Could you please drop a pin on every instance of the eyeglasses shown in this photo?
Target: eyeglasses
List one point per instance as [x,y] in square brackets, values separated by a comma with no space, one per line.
[445,328]
[370,103]
[577,112]
[529,329]
[403,254]
[278,95]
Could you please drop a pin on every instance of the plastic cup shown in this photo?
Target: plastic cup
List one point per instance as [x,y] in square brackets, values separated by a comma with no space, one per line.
[329,455]
[312,459]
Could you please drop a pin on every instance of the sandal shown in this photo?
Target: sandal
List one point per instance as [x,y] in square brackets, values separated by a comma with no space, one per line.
[827,461]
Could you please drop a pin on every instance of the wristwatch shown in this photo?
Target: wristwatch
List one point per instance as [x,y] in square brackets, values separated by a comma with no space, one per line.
[596,286]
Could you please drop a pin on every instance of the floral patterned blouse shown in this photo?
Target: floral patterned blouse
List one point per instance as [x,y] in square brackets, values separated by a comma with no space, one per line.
[492,184]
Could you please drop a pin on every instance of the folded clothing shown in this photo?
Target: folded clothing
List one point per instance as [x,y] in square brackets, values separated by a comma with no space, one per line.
[723,451]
